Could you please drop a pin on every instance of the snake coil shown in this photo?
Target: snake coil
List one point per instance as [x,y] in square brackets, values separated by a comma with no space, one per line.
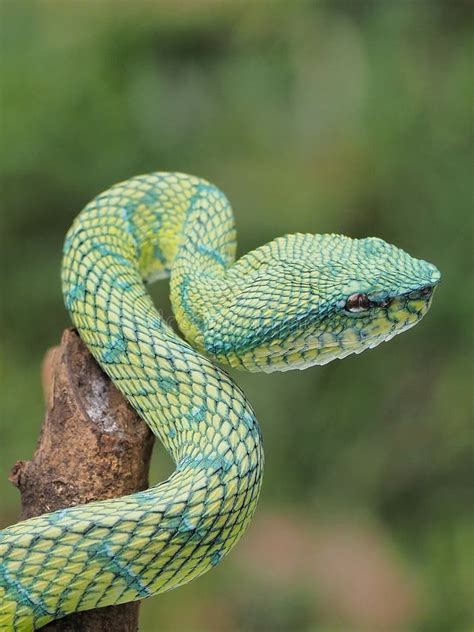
[288,304]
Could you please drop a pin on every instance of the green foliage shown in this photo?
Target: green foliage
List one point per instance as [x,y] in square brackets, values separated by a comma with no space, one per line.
[311,116]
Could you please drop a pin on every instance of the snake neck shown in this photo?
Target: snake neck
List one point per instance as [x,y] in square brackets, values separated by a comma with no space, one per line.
[199,283]
[147,227]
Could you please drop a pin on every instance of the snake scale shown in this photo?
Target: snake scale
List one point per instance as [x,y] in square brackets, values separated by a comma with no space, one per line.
[295,302]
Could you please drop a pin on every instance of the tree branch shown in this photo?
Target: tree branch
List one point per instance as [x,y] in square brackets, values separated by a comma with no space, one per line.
[92,446]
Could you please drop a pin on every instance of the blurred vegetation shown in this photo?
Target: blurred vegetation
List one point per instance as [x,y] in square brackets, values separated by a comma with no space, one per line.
[350,117]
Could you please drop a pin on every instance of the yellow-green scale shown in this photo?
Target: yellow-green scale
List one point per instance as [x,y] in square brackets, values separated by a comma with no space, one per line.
[288,304]
[124,549]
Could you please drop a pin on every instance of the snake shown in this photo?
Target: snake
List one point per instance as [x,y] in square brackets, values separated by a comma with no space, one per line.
[298,301]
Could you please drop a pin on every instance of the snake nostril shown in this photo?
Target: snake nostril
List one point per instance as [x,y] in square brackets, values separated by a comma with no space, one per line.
[426,291]
[423,293]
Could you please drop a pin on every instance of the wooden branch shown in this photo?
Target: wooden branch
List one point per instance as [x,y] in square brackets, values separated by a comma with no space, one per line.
[92,446]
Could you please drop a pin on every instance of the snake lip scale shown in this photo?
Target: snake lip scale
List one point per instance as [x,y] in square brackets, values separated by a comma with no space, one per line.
[298,301]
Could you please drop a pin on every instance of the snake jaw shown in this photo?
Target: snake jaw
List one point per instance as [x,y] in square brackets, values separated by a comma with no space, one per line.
[320,337]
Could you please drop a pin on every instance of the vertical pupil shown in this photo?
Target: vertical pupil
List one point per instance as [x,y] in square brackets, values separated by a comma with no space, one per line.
[358,302]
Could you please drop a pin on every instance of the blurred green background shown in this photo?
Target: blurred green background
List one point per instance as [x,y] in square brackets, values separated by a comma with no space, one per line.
[351,117]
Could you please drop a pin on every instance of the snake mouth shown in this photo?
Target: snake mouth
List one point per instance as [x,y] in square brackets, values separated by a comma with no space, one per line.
[385,319]
[411,303]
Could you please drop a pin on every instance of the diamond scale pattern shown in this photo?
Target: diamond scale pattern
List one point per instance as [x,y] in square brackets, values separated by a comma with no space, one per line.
[123,549]
[280,306]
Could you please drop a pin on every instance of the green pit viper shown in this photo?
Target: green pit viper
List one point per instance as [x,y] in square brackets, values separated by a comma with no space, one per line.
[298,301]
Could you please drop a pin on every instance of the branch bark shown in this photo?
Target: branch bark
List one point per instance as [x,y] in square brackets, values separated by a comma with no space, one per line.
[92,446]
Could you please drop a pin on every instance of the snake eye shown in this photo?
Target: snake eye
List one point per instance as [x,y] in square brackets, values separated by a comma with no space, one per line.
[357,303]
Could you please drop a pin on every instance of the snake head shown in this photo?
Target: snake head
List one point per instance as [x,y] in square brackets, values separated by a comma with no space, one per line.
[303,300]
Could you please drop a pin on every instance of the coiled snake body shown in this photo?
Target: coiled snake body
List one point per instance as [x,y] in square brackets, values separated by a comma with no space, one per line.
[295,302]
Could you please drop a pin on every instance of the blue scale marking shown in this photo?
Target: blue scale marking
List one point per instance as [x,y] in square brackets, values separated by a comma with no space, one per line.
[119,568]
[114,348]
[21,594]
